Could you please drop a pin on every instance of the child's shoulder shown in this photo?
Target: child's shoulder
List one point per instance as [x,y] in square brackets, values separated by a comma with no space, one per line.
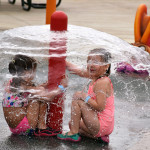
[104,81]
[103,84]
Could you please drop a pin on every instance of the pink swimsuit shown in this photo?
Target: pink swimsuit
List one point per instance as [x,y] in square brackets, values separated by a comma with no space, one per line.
[23,128]
[106,117]
[16,100]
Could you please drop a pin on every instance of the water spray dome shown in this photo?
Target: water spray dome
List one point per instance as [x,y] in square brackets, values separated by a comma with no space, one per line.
[35,41]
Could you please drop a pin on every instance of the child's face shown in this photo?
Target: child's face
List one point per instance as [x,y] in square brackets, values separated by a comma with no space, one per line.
[29,75]
[96,66]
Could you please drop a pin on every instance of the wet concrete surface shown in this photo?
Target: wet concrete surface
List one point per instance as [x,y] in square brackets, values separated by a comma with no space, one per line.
[132,121]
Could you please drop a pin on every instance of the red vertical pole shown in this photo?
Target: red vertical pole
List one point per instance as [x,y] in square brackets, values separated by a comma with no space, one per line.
[57,67]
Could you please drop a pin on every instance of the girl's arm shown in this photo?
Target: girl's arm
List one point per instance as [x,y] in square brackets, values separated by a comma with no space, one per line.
[43,94]
[77,70]
[46,95]
[100,90]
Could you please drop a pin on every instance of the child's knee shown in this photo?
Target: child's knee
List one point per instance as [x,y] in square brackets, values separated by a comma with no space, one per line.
[33,107]
[34,103]
[43,105]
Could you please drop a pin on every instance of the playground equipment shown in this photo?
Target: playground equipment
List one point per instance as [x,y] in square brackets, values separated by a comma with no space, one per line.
[27,4]
[57,67]
[142,39]
[50,9]
[142,28]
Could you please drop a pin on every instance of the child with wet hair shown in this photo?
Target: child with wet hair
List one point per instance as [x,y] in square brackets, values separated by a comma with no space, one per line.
[24,103]
[92,113]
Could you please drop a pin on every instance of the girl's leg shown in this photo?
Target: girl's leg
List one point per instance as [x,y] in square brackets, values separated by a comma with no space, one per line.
[75,118]
[33,113]
[84,133]
[42,116]
[14,115]
[82,110]
[83,129]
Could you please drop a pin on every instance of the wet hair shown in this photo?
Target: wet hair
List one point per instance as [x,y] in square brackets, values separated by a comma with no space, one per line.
[105,55]
[17,67]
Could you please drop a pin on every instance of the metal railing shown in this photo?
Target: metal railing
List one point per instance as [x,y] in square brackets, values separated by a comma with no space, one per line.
[27,4]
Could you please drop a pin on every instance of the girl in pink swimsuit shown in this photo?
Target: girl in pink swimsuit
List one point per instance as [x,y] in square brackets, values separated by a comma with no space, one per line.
[92,113]
[23,102]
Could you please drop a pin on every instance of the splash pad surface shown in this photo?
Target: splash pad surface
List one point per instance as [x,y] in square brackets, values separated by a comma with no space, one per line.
[131,94]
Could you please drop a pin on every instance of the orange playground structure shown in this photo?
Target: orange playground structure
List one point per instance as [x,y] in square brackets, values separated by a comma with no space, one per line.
[142,28]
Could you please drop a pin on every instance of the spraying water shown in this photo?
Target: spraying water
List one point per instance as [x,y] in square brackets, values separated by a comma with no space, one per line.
[132,94]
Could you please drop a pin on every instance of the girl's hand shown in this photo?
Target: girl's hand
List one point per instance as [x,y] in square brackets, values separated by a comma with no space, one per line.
[39,90]
[44,84]
[64,82]
[79,95]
